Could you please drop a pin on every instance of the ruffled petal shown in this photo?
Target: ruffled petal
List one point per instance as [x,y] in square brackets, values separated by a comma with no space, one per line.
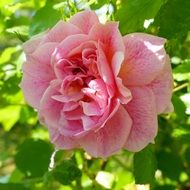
[67,45]
[144,58]
[60,141]
[142,110]
[84,20]
[50,109]
[110,138]
[109,36]
[33,89]
[43,54]
[31,45]
[37,73]
[104,67]
[162,88]
[60,31]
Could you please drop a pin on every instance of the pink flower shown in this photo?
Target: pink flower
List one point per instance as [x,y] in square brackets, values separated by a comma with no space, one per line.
[95,89]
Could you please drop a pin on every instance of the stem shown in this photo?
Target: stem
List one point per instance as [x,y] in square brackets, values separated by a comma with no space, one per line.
[33,180]
[120,163]
[78,184]
[181,87]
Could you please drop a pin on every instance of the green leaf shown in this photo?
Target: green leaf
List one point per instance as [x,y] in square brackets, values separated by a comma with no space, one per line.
[144,166]
[165,187]
[105,179]
[170,164]
[16,176]
[7,54]
[44,18]
[9,116]
[12,186]
[187,155]
[179,107]
[33,157]
[183,68]
[132,14]
[173,19]
[66,172]
[124,177]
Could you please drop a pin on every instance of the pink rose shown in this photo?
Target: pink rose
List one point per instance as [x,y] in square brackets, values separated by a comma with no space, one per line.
[95,89]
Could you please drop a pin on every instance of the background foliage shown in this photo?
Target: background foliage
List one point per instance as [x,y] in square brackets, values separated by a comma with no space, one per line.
[26,155]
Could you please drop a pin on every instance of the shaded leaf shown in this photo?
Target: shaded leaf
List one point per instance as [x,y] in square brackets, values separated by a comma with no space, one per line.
[12,186]
[66,172]
[144,166]
[33,157]
[170,164]
[187,155]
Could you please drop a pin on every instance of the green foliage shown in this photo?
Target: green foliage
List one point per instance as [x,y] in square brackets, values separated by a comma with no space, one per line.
[24,150]
[12,186]
[144,166]
[33,157]
[184,67]
[170,164]
[44,18]
[179,107]
[66,172]
[133,13]
[173,19]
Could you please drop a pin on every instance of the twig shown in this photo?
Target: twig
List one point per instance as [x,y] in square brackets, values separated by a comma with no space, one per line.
[181,87]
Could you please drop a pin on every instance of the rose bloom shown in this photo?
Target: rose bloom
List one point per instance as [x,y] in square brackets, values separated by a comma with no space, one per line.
[95,89]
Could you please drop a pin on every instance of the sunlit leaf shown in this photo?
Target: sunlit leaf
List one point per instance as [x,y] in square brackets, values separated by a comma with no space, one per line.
[179,107]
[173,19]
[105,179]
[183,68]
[44,18]
[132,14]
[9,116]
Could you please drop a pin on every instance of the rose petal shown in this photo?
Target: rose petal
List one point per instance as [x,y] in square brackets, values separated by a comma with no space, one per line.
[60,31]
[50,109]
[69,128]
[110,138]
[60,141]
[142,110]
[31,45]
[125,94]
[109,36]
[117,60]
[67,98]
[33,89]
[37,73]
[104,67]
[69,106]
[43,53]
[84,20]
[162,88]
[144,58]
[67,45]
[74,115]
[91,108]
[88,123]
